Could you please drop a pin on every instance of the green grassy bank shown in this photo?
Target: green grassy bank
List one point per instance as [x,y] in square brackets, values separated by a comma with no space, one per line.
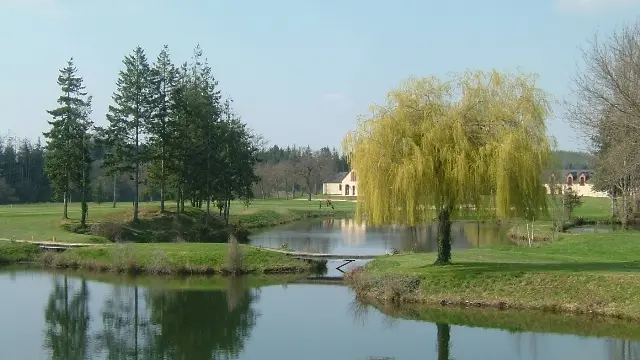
[515,321]
[586,274]
[42,222]
[156,259]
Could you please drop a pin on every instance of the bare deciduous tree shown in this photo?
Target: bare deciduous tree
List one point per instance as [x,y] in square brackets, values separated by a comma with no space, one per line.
[606,112]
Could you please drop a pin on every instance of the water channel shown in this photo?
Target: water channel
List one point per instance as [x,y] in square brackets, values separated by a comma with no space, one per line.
[346,236]
[66,316]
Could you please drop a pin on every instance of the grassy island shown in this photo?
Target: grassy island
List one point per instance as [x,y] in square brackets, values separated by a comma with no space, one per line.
[578,273]
[158,259]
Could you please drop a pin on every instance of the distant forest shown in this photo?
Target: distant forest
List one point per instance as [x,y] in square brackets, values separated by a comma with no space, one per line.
[284,172]
[574,160]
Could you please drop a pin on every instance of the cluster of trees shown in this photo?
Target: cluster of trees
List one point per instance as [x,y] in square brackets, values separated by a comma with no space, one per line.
[574,160]
[606,111]
[168,129]
[22,176]
[476,140]
[285,171]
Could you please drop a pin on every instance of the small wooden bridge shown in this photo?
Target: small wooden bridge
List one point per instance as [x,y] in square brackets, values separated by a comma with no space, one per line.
[52,245]
[345,258]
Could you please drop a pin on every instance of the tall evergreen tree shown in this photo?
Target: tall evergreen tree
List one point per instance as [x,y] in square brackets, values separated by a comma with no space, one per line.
[64,161]
[85,127]
[128,118]
[164,79]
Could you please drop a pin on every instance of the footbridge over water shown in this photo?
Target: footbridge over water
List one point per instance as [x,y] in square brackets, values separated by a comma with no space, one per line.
[346,259]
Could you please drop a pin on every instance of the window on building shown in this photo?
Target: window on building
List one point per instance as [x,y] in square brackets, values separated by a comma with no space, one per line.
[353,176]
[340,187]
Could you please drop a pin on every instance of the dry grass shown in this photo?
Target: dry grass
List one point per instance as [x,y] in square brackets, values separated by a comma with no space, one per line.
[234,256]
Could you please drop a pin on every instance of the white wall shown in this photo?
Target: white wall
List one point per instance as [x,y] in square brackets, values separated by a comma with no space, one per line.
[347,181]
[585,190]
[331,189]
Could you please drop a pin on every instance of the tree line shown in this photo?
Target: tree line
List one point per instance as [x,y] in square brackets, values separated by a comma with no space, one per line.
[286,172]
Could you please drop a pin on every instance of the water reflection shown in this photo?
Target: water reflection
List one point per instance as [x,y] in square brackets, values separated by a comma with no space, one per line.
[203,324]
[67,320]
[444,336]
[88,319]
[139,323]
[346,236]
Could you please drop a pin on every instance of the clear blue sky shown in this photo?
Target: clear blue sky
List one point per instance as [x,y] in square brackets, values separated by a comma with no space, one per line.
[299,71]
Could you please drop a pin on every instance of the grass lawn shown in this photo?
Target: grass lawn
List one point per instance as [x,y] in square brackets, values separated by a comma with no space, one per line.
[185,258]
[586,273]
[43,221]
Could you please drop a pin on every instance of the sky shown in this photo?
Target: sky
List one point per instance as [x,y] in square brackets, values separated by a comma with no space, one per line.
[300,72]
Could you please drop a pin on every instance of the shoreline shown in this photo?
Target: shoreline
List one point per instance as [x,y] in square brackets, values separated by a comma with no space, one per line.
[161,259]
[385,297]
[519,320]
[593,274]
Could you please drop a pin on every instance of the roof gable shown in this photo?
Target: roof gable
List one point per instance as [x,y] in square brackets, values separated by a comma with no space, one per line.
[338,177]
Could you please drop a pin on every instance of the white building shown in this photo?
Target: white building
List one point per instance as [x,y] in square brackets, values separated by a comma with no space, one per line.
[344,183]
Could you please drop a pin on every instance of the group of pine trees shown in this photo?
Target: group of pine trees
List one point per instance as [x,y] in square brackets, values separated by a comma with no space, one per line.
[168,129]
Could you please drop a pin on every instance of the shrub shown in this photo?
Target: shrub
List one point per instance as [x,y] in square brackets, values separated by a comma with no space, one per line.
[108,229]
[124,259]
[388,286]
[234,256]
[159,263]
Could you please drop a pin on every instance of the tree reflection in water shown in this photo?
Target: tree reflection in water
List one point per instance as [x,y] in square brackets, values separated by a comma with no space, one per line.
[203,324]
[67,320]
[444,337]
[137,323]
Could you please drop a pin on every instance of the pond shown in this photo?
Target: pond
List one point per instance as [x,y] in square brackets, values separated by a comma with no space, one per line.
[65,316]
[346,236]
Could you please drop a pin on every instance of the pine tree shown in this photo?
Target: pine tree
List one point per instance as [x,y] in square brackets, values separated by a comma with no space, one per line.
[85,127]
[128,118]
[64,162]
[164,79]
[206,111]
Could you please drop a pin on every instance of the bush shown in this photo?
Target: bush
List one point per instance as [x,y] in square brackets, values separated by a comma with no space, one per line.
[234,256]
[108,229]
[13,252]
[388,286]
[160,263]
[124,258]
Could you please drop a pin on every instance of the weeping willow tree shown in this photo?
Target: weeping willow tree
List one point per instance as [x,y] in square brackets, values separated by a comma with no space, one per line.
[477,141]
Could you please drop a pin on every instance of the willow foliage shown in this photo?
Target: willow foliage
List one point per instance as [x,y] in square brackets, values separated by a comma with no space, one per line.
[476,140]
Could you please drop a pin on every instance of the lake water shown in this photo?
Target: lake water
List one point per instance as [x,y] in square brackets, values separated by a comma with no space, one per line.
[64,316]
[346,236]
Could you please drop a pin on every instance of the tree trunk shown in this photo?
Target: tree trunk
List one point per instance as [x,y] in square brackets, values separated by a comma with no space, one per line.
[83,200]
[444,237]
[182,201]
[65,214]
[137,169]
[444,337]
[162,182]
[208,206]
[114,190]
